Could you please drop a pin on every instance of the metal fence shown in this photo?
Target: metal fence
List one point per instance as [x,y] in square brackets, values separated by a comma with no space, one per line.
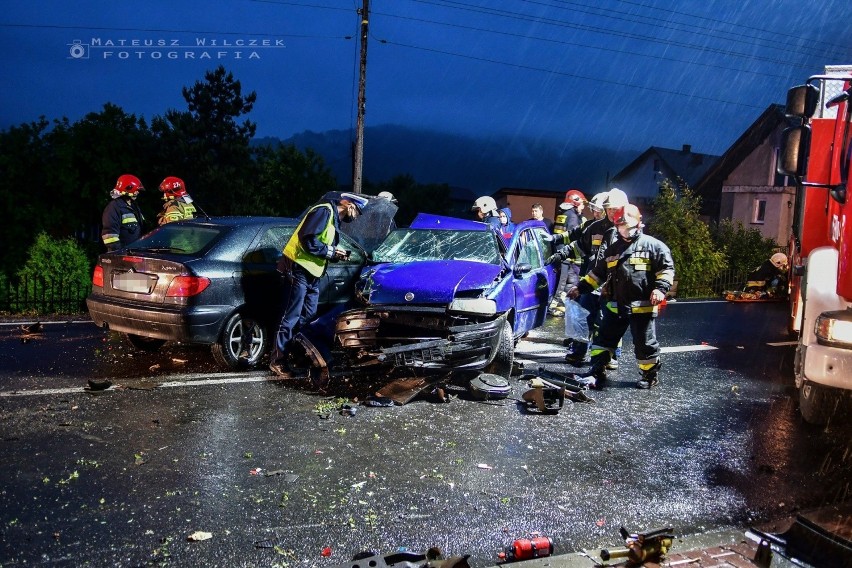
[35,296]
[714,287]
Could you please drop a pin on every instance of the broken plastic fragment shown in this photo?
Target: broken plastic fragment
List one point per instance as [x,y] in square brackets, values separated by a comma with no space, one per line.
[199,536]
[484,466]
[326,551]
[255,471]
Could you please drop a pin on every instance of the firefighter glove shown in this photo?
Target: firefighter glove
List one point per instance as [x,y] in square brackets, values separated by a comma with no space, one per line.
[555,258]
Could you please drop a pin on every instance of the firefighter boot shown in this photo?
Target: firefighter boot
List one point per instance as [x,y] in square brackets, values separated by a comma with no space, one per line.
[596,377]
[649,377]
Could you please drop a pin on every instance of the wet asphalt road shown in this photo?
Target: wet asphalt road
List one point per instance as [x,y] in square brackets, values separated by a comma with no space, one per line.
[124,477]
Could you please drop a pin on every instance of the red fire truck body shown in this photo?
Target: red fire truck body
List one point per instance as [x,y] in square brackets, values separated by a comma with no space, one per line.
[817,152]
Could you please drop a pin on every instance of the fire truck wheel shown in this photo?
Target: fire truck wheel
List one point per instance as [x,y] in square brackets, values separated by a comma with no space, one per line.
[817,403]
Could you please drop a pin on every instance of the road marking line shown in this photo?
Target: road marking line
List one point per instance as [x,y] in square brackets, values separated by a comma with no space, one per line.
[687,348]
[782,343]
[232,378]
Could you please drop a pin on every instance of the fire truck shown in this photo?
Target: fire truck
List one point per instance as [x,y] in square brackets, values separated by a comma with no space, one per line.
[816,152]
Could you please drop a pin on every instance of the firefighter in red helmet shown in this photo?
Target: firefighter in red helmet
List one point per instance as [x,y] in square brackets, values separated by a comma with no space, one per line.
[177,204]
[121,222]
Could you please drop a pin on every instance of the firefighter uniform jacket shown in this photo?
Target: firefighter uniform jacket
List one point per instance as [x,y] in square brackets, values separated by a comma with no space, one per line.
[631,271]
[121,223]
[176,210]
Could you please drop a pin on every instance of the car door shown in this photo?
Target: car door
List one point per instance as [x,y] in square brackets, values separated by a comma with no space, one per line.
[534,281]
[338,283]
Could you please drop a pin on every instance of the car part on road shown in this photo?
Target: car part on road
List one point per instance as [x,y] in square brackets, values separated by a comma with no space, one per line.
[641,547]
[545,397]
[487,386]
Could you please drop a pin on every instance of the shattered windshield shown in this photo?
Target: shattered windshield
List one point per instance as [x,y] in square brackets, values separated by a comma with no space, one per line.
[410,245]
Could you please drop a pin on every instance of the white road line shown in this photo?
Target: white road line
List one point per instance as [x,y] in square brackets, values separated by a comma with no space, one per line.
[227,378]
[687,348]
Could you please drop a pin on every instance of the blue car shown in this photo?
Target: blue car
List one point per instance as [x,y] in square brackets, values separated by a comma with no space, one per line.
[446,294]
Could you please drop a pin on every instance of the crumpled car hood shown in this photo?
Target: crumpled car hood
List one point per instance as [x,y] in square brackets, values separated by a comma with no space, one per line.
[426,282]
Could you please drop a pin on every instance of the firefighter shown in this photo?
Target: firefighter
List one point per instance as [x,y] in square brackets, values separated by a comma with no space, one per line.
[770,278]
[487,212]
[568,220]
[177,204]
[122,219]
[312,246]
[639,271]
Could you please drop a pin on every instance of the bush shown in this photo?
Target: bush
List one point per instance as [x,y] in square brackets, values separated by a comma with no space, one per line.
[677,223]
[55,278]
[745,249]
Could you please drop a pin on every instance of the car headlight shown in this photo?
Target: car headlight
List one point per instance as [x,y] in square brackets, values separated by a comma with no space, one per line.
[835,329]
[480,306]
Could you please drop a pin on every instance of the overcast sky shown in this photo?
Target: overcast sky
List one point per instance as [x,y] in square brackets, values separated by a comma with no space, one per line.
[627,74]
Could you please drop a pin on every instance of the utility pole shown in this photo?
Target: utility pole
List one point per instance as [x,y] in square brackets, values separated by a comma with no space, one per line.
[358,158]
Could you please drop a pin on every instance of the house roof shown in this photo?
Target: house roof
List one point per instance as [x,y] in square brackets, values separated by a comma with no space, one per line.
[689,165]
[710,184]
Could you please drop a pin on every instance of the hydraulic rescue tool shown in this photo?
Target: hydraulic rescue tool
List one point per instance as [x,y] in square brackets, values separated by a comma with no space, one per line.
[641,547]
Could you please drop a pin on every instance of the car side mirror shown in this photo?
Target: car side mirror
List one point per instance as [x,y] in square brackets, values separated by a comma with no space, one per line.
[795,145]
[838,193]
[522,268]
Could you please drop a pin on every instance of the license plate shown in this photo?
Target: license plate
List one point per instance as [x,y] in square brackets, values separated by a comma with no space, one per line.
[133,282]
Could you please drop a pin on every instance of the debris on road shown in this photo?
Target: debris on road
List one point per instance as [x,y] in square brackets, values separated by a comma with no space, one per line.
[198,536]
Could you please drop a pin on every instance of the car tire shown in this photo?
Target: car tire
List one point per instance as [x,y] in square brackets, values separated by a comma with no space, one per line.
[231,352]
[817,404]
[505,356]
[141,343]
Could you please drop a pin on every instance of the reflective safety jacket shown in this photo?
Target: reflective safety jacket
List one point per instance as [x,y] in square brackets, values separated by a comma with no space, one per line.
[121,223]
[176,210]
[632,270]
[313,242]
[567,220]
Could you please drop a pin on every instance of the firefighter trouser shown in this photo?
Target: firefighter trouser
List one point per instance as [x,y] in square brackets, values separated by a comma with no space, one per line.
[613,325]
[590,302]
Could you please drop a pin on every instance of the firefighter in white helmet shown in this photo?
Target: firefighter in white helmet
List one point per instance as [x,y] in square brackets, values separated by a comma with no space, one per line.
[770,278]
[639,270]
[486,211]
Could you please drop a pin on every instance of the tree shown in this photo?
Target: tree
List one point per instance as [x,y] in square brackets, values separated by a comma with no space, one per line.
[288,180]
[677,223]
[206,146]
[745,249]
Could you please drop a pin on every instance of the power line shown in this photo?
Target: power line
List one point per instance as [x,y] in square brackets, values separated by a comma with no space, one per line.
[673,25]
[628,35]
[574,75]
[576,44]
[744,26]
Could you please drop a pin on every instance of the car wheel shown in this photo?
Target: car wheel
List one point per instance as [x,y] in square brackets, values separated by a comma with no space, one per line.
[141,343]
[505,357]
[242,343]
[817,403]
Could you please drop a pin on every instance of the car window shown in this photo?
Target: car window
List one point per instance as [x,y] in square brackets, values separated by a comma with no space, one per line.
[357,256]
[528,249]
[270,247]
[410,245]
[179,238]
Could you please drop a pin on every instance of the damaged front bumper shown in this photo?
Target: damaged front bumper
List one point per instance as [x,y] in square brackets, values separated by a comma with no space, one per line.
[416,337]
